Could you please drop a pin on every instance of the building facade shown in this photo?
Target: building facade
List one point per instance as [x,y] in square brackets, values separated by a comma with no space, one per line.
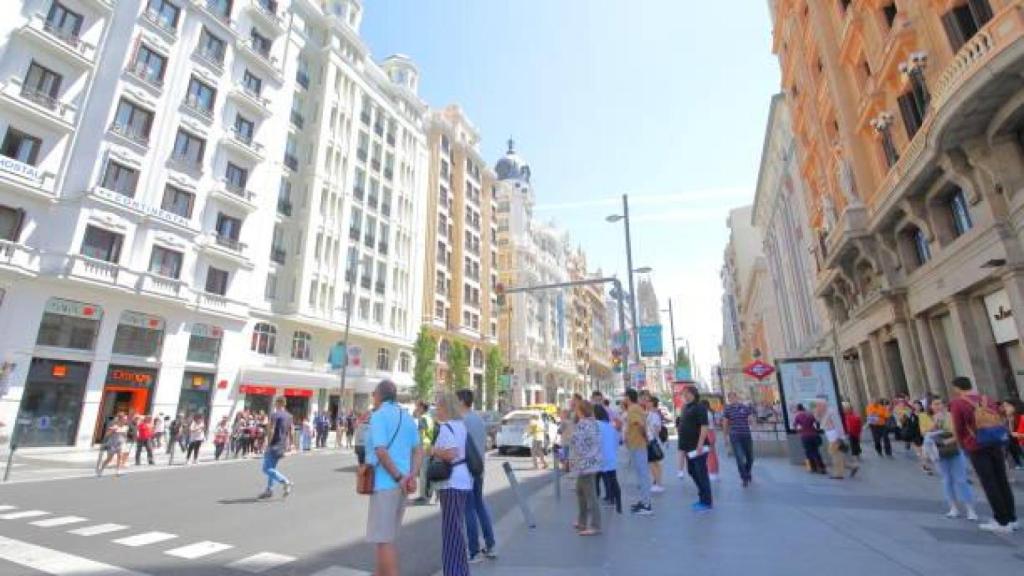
[459,301]
[907,120]
[184,187]
[590,337]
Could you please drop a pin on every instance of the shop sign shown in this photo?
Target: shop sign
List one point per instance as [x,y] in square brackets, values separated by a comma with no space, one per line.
[1000,317]
[135,378]
[198,381]
[650,340]
[133,204]
[26,171]
[298,392]
[140,320]
[257,390]
[63,307]
[206,331]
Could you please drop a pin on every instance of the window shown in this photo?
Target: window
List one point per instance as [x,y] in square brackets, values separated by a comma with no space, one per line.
[67,324]
[41,85]
[889,12]
[163,13]
[235,177]
[10,225]
[204,348]
[132,122]
[439,310]
[302,345]
[404,362]
[101,244]
[964,21]
[260,43]
[189,149]
[120,178]
[270,290]
[442,351]
[149,65]
[960,213]
[383,359]
[200,96]
[20,146]
[364,309]
[165,262]
[143,337]
[216,281]
[244,128]
[63,23]
[221,8]
[912,111]
[264,338]
[211,47]
[922,250]
[252,83]
[355,227]
[228,227]
[378,312]
[178,201]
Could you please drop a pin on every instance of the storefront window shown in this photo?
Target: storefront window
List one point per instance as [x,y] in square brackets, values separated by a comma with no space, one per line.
[196,391]
[139,335]
[128,390]
[68,324]
[204,343]
[52,403]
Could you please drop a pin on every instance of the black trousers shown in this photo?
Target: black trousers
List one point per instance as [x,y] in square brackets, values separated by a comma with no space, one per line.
[812,450]
[141,445]
[613,492]
[855,446]
[880,434]
[1016,454]
[193,451]
[698,469]
[990,464]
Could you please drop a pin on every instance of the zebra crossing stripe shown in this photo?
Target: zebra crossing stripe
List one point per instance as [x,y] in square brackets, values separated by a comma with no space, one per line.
[341,571]
[145,539]
[198,550]
[23,514]
[55,562]
[59,521]
[98,529]
[4,507]
[260,563]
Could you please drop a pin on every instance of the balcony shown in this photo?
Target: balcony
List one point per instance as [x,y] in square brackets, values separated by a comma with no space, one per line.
[155,284]
[138,72]
[18,258]
[365,282]
[38,105]
[297,119]
[284,206]
[278,255]
[211,58]
[59,41]
[153,20]
[228,242]
[354,234]
[197,108]
[105,5]
[99,271]
[26,178]
[266,11]
[210,9]
[378,287]
[261,55]
[291,161]
[186,164]
[235,196]
[251,100]
[222,305]
[133,135]
[244,144]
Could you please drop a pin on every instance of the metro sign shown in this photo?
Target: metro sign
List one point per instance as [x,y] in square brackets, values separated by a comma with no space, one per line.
[759,369]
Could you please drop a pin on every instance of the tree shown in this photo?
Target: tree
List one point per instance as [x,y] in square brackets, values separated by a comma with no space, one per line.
[458,366]
[495,365]
[424,351]
[682,358]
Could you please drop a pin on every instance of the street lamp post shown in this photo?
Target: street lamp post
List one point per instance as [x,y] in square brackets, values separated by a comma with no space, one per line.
[635,339]
[353,270]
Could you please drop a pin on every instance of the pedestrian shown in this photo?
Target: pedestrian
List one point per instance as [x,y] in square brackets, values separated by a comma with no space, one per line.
[115,441]
[610,440]
[478,517]
[1015,424]
[976,421]
[636,443]
[174,433]
[238,435]
[838,446]
[807,427]
[196,436]
[941,446]
[853,429]
[159,426]
[535,431]
[323,428]
[362,426]
[878,422]
[220,438]
[306,435]
[587,463]
[736,422]
[144,441]
[350,428]
[656,453]
[562,449]
[693,438]
[426,430]
[396,458]
[453,492]
[281,439]
[339,430]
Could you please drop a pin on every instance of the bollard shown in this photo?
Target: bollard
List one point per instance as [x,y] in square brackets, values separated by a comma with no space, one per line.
[10,461]
[558,473]
[514,484]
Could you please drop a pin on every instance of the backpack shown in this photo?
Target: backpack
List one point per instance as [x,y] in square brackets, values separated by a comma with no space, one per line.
[989,427]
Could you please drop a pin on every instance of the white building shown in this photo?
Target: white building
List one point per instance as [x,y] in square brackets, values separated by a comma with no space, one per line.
[181,186]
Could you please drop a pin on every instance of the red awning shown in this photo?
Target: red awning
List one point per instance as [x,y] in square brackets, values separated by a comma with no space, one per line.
[300,392]
[257,390]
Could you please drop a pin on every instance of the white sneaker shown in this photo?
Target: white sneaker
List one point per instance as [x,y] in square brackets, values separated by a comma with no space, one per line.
[953,513]
[995,527]
[713,477]
[1015,525]
[680,474]
[972,515]
[657,489]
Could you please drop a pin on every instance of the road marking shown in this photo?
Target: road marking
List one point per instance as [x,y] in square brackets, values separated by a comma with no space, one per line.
[50,561]
[97,529]
[341,571]
[23,514]
[60,521]
[198,550]
[260,563]
[7,507]
[144,539]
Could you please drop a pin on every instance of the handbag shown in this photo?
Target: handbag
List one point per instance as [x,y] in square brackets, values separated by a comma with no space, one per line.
[654,451]
[946,448]
[366,473]
[439,469]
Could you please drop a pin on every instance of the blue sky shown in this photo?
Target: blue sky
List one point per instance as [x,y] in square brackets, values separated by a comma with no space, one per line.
[663,99]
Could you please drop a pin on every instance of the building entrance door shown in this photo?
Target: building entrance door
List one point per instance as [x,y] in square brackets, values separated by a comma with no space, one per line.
[895,361]
[117,400]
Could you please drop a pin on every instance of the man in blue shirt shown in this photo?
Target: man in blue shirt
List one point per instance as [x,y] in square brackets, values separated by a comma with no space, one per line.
[476,508]
[737,425]
[396,456]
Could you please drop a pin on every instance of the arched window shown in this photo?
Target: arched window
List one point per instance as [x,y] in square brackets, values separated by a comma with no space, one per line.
[921,248]
[442,351]
[264,338]
[302,345]
[383,359]
[478,358]
[404,362]
[960,213]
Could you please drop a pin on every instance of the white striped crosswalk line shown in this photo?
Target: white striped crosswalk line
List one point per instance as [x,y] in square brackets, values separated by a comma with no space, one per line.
[23,514]
[145,539]
[5,507]
[198,550]
[59,521]
[260,563]
[98,529]
[49,561]
[341,571]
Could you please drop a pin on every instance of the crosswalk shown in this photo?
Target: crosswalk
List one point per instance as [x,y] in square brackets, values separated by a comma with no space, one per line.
[50,561]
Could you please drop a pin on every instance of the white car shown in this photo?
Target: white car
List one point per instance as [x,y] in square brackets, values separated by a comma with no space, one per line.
[513,435]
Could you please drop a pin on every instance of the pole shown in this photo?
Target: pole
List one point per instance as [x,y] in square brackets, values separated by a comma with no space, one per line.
[629,268]
[672,332]
[354,268]
[622,328]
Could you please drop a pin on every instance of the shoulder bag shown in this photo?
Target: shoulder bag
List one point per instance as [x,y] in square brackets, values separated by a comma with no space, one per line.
[439,469]
[365,473]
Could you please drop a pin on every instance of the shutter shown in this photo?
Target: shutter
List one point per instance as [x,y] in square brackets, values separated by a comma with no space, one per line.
[908,112]
[981,11]
[956,39]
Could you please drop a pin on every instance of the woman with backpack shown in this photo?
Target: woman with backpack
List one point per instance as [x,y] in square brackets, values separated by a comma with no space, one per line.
[941,448]
[450,447]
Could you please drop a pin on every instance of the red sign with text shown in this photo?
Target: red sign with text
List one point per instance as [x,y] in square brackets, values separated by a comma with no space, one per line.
[257,390]
[759,369]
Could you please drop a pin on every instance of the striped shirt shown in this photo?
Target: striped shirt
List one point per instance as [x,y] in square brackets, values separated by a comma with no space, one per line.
[739,419]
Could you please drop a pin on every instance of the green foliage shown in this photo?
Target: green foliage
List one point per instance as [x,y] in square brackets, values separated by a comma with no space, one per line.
[424,352]
[458,366]
[495,364]
[682,359]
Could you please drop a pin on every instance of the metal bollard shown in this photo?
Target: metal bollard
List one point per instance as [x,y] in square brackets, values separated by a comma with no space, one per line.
[10,461]
[558,473]
[514,484]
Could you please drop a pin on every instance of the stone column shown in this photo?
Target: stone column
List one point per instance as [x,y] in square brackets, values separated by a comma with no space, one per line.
[967,343]
[932,367]
[908,356]
[854,388]
[884,386]
[1013,282]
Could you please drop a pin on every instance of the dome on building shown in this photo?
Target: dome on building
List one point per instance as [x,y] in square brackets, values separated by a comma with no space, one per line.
[512,166]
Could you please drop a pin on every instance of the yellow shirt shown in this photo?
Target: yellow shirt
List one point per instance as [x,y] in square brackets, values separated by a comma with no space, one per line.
[636,425]
[536,431]
[925,421]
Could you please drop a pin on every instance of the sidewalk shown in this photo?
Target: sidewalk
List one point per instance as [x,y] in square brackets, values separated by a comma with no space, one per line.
[889,520]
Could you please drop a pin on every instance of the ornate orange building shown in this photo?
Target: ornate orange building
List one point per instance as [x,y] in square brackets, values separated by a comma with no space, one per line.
[908,117]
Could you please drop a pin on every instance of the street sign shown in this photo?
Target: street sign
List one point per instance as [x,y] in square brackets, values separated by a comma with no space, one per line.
[355,361]
[759,369]
[650,340]
[337,356]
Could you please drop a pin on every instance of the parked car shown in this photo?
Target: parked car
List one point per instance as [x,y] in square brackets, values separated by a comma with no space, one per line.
[513,436]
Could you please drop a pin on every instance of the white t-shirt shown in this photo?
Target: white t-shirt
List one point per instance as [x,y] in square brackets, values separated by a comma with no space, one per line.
[453,435]
[653,425]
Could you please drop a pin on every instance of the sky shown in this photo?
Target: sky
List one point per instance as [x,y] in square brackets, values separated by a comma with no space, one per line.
[663,100]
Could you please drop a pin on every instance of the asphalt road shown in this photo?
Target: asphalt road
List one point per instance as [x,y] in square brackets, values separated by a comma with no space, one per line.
[205,520]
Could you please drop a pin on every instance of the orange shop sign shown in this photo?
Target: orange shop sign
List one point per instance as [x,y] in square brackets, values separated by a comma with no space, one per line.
[257,390]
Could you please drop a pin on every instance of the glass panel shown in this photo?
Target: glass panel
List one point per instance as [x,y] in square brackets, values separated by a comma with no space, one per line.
[203,349]
[138,341]
[67,331]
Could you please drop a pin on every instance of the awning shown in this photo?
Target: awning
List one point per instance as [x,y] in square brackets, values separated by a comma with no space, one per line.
[284,378]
